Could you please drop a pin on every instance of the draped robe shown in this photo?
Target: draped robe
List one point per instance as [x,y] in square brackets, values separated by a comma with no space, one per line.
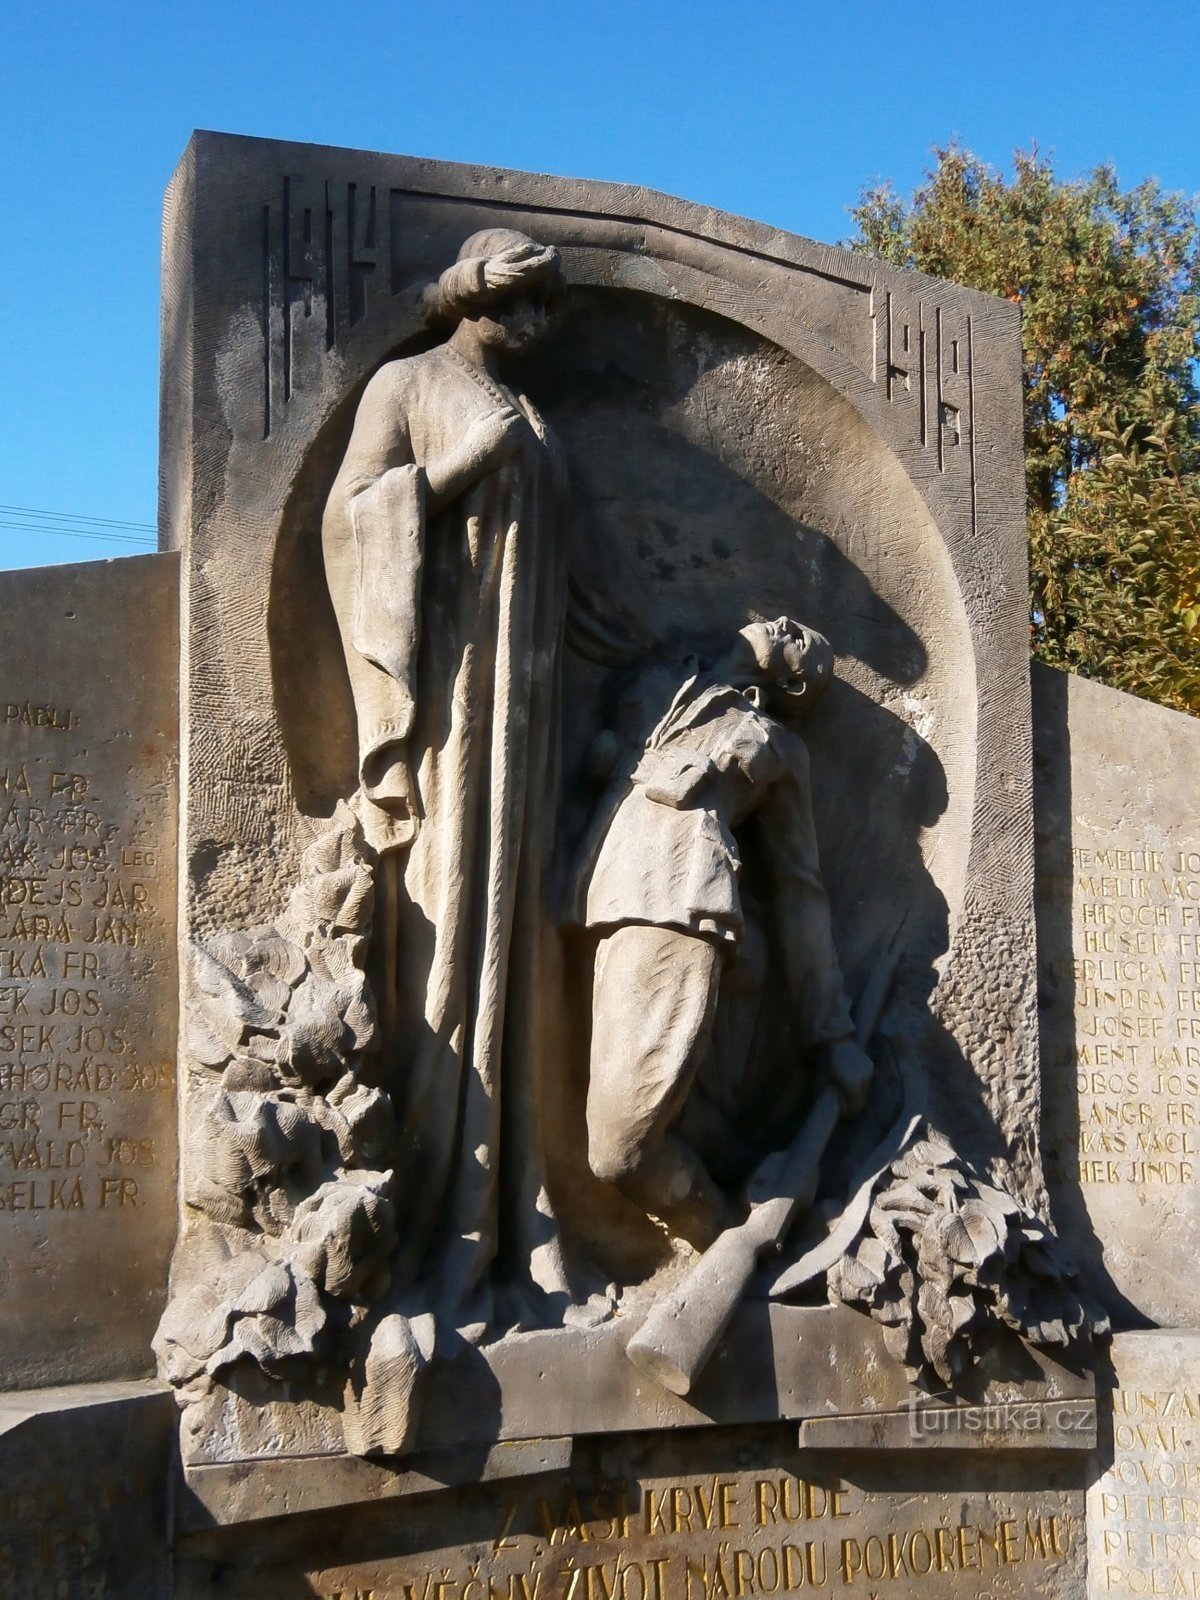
[452,626]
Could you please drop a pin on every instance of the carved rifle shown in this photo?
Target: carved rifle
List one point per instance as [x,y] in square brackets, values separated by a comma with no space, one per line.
[674,1343]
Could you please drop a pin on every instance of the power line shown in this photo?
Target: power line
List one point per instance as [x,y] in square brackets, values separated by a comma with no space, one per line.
[75,533]
[71,516]
[107,530]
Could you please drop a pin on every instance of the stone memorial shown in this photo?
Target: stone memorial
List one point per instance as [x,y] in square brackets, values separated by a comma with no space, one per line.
[587,679]
[1119,928]
[1144,1508]
[88,971]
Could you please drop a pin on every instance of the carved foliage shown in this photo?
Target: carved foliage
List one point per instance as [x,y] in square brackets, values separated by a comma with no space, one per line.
[944,1259]
[289,1159]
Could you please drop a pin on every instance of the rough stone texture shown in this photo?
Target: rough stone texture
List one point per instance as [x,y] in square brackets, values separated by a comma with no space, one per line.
[88,975]
[816,434]
[752,426]
[1143,1510]
[1040,1425]
[723,1513]
[1118,813]
[260,1490]
[84,1492]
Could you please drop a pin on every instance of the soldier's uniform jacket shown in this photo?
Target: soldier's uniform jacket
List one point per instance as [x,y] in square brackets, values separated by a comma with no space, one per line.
[661,847]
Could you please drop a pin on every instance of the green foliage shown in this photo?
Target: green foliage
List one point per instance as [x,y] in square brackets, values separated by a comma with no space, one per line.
[1108,282]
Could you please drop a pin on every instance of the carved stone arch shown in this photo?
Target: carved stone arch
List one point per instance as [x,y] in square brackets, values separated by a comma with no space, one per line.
[928,368]
[756,425]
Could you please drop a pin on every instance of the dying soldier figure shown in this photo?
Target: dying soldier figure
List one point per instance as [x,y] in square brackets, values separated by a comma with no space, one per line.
[697,768]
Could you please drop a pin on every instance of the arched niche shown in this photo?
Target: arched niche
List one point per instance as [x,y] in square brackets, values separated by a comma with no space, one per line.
[716,477]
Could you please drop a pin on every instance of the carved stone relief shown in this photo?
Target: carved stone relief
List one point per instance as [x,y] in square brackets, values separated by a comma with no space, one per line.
[606,937]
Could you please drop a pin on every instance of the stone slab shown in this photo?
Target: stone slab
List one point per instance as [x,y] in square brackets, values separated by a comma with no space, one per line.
[84,1492]
[776,1361]
[88,1004]
[723,1512]
[1118,811]
[255,1491]
[1144,1509]
[751,425]
[293,271]
[1032,1425]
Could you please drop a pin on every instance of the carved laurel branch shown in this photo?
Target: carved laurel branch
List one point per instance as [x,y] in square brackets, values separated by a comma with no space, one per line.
[945,1259]
[288,1159]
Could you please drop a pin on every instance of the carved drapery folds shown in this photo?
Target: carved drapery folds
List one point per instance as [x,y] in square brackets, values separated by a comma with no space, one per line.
[577,1003]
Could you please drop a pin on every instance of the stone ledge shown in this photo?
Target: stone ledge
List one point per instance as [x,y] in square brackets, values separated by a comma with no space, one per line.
[254,1491]
[824,1367]
[1026,1425]
[18,1406]
[84,1490]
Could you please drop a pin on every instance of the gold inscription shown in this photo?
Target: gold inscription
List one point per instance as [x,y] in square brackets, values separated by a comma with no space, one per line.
[1137,1014]
[728,1538]
[30,714]
[1147,1538]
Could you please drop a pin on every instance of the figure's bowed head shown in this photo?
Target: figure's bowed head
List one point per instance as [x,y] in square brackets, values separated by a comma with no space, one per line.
[497,298]
[791,664]
[499,294]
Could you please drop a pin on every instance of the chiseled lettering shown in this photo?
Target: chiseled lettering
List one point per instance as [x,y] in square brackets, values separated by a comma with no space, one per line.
[29,714]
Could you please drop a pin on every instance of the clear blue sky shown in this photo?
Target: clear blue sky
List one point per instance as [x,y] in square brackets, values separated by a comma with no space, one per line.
[778,111]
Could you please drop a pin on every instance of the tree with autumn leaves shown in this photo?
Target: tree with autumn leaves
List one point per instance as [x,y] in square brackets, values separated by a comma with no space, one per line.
[1108,281]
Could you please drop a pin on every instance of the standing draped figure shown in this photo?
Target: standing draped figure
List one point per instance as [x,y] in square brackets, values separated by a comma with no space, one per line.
[446,565]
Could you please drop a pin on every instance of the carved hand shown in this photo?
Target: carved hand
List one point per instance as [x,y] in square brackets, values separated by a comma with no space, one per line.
[674,778]
[494,438]
[510,266]
[850,1070]
[488,443]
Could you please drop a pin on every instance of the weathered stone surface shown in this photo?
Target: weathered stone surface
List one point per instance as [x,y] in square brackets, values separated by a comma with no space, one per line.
[815,435]
[447,450]
[729,1512]
[1143,1510]
[84,1492]
[88,975]
[1118,810]
[780,1361]
[1039,1425]
[474,935]
[257,1491]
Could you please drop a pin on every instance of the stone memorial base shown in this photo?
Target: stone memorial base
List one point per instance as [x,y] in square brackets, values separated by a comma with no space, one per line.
[826,1368]
[87,1487]
[651,1516]
[1143,1505]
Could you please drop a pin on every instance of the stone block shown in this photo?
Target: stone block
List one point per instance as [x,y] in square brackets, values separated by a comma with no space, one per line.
[722,1512]
[88,971]
[419,563]
[85,1490]
[1143,1508]
[1118,818]
[826,1367]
